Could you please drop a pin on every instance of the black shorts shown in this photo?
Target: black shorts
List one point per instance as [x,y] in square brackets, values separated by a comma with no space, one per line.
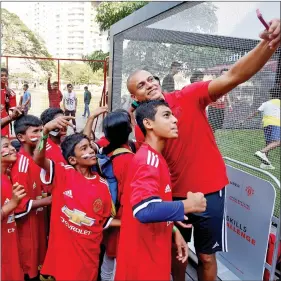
[209,227]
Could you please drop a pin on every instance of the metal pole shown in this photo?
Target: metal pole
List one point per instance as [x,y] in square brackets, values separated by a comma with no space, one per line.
[59,74]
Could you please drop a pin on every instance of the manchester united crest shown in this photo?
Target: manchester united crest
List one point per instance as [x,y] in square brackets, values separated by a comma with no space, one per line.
[97,205]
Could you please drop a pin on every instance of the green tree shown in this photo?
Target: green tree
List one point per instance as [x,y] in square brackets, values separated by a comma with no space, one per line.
[97,55]
[18,40]
[109,13]
[80,73]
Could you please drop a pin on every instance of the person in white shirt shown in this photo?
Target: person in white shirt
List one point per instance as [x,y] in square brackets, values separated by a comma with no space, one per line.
[70,104]
[271,126]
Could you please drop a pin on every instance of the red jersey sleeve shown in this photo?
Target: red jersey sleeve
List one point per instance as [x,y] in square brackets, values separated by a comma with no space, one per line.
[19,174]
[57,175]
[102,142]
[139,137]
[12,99]
[198,92]
[144,187]
[120,169]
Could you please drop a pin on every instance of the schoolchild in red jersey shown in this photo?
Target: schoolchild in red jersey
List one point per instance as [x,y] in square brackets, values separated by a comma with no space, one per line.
[8,99]
[11,196]
[117,128]
[53,149]
[30,214]
[81,207]
[144,251]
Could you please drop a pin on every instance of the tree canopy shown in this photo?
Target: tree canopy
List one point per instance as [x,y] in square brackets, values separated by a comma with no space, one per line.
[97,55]
[109,13]
[18,40]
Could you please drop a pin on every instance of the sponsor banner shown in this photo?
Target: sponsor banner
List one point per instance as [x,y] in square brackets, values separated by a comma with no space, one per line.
[250,204]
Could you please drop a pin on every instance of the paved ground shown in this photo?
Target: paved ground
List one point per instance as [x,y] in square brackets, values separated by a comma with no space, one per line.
[40,102]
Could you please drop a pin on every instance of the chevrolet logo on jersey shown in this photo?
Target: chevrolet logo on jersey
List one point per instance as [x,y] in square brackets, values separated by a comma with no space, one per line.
[77,217]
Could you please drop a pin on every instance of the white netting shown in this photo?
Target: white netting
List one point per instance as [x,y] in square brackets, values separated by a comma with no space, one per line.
[208,37]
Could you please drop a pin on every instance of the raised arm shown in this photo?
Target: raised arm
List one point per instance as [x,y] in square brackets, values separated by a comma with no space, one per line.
[249,65]
[16,113]
[89,125]
[49,87]
[39,153]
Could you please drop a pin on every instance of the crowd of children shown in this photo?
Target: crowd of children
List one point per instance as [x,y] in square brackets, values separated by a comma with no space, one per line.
[66,197]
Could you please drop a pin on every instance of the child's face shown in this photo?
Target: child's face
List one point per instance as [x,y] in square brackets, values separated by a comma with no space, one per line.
[84,154]
[31,136]
[8,152]
[4,77]
[165,123]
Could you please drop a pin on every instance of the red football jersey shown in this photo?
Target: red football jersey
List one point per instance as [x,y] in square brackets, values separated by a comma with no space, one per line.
[80,209]
[8,97]
[53,152]
[194,159]
[121,165]
[55,96]
[10,262]
[144,250]
[31,222]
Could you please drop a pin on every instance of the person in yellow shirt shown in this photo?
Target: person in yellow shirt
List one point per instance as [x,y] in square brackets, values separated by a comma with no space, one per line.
[271,126]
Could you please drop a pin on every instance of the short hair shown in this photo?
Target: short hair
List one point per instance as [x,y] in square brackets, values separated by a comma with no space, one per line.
[196,74]
[3,69]
[16,144]
[26,121]
[148,110]
[25,85]
[49,114]
[117,128]
[224,69]
[157,78]
[69,143]
[275,93]
[68,85]
[86,88]
[55,83]
[175,64]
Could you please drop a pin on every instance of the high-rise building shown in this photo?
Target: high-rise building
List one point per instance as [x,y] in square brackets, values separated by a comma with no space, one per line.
[68,28]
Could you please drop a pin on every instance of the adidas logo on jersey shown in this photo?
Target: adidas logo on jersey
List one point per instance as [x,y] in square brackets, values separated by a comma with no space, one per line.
[68,193]
[216,245]
[152,159]
[168,189]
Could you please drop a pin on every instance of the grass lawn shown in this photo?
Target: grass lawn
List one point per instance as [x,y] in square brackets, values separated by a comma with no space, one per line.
[241,145]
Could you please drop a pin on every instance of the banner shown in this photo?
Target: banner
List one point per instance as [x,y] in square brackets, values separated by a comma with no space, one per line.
[250,204]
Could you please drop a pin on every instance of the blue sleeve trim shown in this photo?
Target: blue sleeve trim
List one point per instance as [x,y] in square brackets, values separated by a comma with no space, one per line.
[161,211]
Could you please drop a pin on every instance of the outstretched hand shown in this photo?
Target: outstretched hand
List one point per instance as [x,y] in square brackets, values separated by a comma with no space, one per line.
[272,34]
[100,110]
[59,123]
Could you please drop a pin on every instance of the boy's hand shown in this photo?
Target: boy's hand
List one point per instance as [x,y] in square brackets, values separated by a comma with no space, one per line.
[18,193]
[58,123]
[99,111]
[182,247]
[16,112]
[195,202]
[49,74]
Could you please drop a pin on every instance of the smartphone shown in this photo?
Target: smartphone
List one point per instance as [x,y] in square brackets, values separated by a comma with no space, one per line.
[260,17]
